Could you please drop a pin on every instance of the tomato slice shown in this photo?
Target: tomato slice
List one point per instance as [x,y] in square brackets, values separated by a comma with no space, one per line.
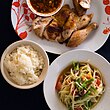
[59,83]
[98,82]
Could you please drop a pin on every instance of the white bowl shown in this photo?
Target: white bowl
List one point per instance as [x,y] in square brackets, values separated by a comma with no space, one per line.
[63,61]
[13,46]
[44,14]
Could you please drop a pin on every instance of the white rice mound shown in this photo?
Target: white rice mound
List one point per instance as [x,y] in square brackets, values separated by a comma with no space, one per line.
[24,65]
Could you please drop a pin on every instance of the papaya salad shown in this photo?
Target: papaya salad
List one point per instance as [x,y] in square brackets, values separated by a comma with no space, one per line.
[80,86]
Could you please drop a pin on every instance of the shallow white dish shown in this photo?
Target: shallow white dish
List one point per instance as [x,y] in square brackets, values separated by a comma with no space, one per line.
[63,61]
[10,49]
[22,18]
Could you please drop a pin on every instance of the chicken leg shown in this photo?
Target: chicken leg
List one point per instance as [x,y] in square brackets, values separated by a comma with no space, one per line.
[79,36]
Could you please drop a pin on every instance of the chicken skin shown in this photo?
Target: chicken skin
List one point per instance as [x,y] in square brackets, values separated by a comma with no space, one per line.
[62,15]
[85,3]
[52,32]
[79,36]
[74,23]
[39,25]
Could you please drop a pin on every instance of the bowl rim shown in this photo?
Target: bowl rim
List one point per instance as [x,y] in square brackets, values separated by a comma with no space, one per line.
[17,43]
[44,14]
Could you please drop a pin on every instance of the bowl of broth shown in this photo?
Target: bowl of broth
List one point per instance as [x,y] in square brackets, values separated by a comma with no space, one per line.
[45,7]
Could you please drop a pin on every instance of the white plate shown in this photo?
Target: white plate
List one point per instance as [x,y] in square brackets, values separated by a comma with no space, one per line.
[22,18]
[63,61]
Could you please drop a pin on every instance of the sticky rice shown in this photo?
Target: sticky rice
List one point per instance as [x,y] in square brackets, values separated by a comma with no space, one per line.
[24,65]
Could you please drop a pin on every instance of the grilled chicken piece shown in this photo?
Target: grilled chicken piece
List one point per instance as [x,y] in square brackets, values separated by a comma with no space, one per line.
[54,29]
[53,32]
[62,15]
[39,25]
[79,36]
[79,9]
[84,21]
[70,26]
[74,23]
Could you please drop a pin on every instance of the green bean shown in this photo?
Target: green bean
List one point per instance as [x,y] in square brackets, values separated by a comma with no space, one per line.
[86,83]
[75,66]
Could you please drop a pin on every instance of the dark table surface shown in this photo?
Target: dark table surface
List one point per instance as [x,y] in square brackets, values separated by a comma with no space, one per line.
[32,99]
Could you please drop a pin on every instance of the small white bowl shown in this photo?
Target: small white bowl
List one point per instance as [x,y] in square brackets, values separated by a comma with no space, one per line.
[44,14]
[13,46]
